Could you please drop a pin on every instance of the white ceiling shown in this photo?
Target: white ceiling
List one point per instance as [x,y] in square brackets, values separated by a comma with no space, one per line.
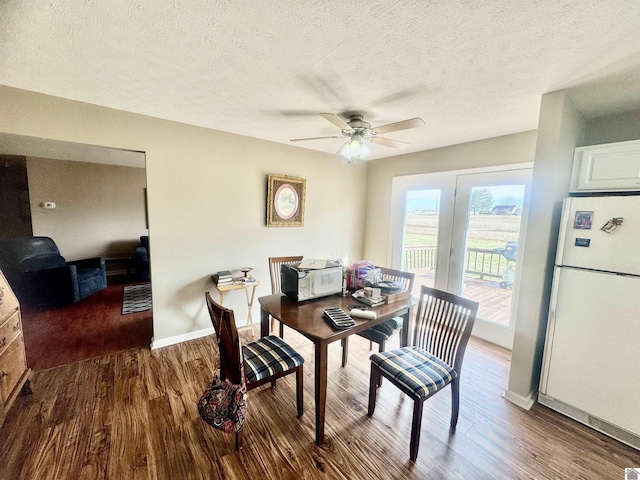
[471,69]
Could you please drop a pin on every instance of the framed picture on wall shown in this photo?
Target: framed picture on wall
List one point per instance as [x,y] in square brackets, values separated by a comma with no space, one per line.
[285,201]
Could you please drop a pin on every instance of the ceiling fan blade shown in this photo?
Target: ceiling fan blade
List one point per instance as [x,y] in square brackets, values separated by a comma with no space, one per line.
[341,149]
[336,120]
[403,125]
[387,142]
[313,138]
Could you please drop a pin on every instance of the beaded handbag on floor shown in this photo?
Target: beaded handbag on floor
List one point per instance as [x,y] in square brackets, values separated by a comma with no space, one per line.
[223,404]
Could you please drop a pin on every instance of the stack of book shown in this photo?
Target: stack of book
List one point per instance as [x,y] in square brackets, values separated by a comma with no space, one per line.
[370,301]
[397,296]
[222,278]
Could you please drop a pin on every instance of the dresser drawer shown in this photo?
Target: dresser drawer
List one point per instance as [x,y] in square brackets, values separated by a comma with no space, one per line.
[9,330]
[8,302]
[12,367]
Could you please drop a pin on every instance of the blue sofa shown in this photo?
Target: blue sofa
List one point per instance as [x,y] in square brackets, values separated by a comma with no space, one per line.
[41,276]
[141,259]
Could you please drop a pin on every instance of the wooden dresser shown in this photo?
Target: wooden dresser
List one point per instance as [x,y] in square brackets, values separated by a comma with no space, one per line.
[14,374]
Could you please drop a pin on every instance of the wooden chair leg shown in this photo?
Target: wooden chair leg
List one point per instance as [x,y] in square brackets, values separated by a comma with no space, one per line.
[299,390]
[415,429]
[281,330]
[345,351]
[370,344]
[455,402]
[273,383]
[381,347]
[374,381]
[239,440]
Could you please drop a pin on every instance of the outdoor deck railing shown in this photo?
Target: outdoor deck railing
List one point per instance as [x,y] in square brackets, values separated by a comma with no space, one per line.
[483,262]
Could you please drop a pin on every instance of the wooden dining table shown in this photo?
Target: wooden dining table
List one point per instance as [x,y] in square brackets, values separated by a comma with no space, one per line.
[306,317]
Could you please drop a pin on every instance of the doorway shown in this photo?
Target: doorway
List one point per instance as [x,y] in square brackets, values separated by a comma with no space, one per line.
[461,232]
[15,214]
[99,210]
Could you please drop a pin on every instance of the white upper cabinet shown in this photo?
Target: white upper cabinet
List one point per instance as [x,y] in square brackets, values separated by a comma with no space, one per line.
[612,167]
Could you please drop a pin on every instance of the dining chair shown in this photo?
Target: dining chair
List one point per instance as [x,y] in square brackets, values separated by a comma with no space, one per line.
[433,361]
[275,264]
[383,332]
[256,363]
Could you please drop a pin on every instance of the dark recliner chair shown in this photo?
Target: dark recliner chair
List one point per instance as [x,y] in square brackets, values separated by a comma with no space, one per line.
[141,259]
[40,276]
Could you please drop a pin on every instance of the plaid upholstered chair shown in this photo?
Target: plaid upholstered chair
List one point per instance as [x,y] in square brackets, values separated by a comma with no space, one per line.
[275,265]
[383,332]
[255,364]
[441,332]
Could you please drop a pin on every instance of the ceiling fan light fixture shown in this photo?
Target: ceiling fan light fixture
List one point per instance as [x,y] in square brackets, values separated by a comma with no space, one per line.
[355,148]
[360,134]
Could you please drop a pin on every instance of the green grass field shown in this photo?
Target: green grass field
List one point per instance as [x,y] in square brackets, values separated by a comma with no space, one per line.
[485,231]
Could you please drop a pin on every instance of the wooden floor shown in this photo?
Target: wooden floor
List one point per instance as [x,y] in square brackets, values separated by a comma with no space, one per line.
[132,415]
[86,329]
[495,301]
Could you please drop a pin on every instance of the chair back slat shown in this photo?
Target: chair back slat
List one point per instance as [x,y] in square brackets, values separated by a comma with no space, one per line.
[228,341]
[443,324]
[404,278]
[275,264]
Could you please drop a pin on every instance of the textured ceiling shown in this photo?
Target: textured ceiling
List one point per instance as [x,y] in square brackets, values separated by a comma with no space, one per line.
[471,69]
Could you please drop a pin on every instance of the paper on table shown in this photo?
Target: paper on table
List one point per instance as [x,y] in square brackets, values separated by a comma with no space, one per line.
[357,312]
[309,264]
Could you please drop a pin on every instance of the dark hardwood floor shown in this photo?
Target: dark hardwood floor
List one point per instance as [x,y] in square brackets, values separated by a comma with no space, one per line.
[90,328]
[133,415]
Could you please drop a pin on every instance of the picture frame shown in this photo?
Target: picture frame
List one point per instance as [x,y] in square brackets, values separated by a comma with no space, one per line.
[285,201]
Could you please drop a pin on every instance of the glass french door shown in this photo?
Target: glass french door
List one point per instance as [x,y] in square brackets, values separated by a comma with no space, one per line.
[422,228]
[486,240]
[462,233]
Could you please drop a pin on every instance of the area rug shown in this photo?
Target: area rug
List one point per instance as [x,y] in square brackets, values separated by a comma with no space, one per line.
[136,298]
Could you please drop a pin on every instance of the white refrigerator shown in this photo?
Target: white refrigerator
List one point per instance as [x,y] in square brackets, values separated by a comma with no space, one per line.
[591,365]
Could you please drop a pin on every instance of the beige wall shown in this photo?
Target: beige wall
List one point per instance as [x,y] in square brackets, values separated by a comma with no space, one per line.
[613,128]
[207,193]
[99,208]
[505,150]
[560,129]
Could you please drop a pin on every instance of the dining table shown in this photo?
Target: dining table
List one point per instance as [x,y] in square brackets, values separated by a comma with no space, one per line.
[306,317]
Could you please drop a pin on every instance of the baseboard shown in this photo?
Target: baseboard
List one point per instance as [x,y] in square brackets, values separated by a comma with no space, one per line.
[625,436]
[522,402]
[165,342]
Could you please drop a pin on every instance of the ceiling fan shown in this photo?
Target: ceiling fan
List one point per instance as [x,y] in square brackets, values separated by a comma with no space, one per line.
[358,133]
